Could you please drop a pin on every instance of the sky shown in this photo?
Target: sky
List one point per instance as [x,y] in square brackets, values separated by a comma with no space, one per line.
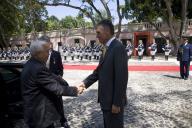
[62,11]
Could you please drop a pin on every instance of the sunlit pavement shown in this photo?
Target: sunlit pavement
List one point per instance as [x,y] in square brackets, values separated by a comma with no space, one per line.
[156,99]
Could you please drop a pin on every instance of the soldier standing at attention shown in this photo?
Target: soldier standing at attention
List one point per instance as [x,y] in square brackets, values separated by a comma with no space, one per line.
[153,50]
[167,50]
[140,50]
[184,55]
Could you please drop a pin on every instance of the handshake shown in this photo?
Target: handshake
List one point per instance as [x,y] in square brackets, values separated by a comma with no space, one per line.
[80,88]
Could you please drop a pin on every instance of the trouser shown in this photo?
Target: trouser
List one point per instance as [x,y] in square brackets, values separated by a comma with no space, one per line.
[184,68]
[113,120]
[152,57]
[86,56]
[139,57]
[63,120]
[166,57]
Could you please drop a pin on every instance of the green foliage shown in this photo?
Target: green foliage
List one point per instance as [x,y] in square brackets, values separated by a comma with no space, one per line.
[19,17]
[145,10]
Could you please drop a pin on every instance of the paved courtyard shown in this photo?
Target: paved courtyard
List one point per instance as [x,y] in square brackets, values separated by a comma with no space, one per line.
[155,99]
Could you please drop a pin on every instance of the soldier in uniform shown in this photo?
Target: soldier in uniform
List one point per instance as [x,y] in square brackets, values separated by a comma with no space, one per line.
[90,53]
[65,54]
[129,49]
[184,55]
[4,54]
[77,53]
[72,53]
[153,50]
[9,53]
[86,53]
[14,53]
[140,50]
[94,53]
[21,54]
[97,54]
[167,50]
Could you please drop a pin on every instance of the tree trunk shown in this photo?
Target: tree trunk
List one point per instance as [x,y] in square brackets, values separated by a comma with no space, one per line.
[170,22]
[4,41]
[120,20]
[183,28]
[96,10]
[107,9]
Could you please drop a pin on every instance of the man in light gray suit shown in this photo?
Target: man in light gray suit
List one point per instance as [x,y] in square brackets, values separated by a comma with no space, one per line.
[112,75]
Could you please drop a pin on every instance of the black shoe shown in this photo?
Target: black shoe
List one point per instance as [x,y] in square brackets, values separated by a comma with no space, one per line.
[185,78]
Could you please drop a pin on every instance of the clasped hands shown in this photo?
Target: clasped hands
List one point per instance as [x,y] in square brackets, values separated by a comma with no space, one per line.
[81,88]
[115,109]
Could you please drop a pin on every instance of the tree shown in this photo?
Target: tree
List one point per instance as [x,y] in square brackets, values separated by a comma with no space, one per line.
[88,8]
[53,23]
[19,17]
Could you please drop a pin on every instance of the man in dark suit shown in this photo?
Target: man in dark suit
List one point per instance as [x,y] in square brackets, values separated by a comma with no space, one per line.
[184,55]
[112,75]
[55,65]
[41,88]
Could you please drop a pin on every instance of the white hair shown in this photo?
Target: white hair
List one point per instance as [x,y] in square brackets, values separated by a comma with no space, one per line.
[37,46]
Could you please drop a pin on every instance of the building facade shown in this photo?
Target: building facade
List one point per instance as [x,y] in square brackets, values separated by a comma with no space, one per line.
[87,36]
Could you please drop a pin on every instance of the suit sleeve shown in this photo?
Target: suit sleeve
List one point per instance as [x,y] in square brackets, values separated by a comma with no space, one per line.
[190,52]
[121,76]
[49,82]
[61,80]
[91,78]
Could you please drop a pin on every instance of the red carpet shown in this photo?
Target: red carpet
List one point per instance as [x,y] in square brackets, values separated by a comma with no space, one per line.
[131,68]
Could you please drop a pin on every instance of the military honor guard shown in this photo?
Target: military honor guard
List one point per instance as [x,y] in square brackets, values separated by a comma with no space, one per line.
[153,50]
[140,50]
